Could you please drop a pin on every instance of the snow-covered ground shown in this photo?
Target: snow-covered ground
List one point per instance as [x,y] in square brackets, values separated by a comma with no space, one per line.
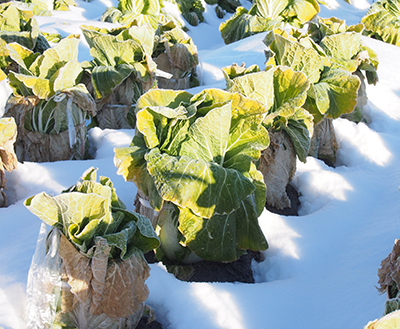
[321,268]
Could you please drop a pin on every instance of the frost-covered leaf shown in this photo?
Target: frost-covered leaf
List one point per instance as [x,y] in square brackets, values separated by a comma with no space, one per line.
[27,85]
[56,57]
[24,57]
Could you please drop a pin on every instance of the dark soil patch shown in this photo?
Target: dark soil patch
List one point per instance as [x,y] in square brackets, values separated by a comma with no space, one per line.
[237,271]
[294,200]
[207,271]
[152,325]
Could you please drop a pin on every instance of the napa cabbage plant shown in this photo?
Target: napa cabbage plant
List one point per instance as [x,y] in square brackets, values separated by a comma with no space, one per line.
[17,24]
[45,7]
[122,69]
[176,54]
[283,92]
[49,103]
[8,158]
[264,15]
[333,88]
[138,12]
[192,156]
[382,21]
[192,11]
[342,45]
[102,246]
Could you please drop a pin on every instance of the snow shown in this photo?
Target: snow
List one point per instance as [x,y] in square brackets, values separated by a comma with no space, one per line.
[321,268]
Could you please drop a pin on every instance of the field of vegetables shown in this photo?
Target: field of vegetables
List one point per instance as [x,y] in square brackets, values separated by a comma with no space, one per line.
[144,142]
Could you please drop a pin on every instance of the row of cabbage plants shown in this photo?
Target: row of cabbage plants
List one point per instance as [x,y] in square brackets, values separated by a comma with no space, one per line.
[204,164]
[54,95]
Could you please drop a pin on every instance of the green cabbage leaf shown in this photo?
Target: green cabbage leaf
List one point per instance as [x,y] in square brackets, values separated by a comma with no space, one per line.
[17,25]
[53,80]
[137,12]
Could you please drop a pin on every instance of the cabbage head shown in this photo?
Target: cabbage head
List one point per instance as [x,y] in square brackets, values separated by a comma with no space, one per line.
[192,156]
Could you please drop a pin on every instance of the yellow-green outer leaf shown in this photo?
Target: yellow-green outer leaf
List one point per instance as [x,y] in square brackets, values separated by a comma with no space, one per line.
[38,86]
[54,58]
[67,76]
[204,187]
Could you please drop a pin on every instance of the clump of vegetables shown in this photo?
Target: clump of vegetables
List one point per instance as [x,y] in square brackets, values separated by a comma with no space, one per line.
[192,156]
[192,11]
[100,280]
[265,15]
[336,62]
[49,104]
[283,92]
[17,24]
[176,54]
[122,69]
[45,7]
[382,21]
[8,159]
[137,12]
[333,89]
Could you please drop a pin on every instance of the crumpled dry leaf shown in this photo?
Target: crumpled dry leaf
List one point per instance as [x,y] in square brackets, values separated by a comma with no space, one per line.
[112,110]
[38,147]
[324,144]
[389,272]
[77,268]
[99,270]
[177,61]
[143,207]
[278,166]
[115,289]
[41,147]
[125,289]
[17,107]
